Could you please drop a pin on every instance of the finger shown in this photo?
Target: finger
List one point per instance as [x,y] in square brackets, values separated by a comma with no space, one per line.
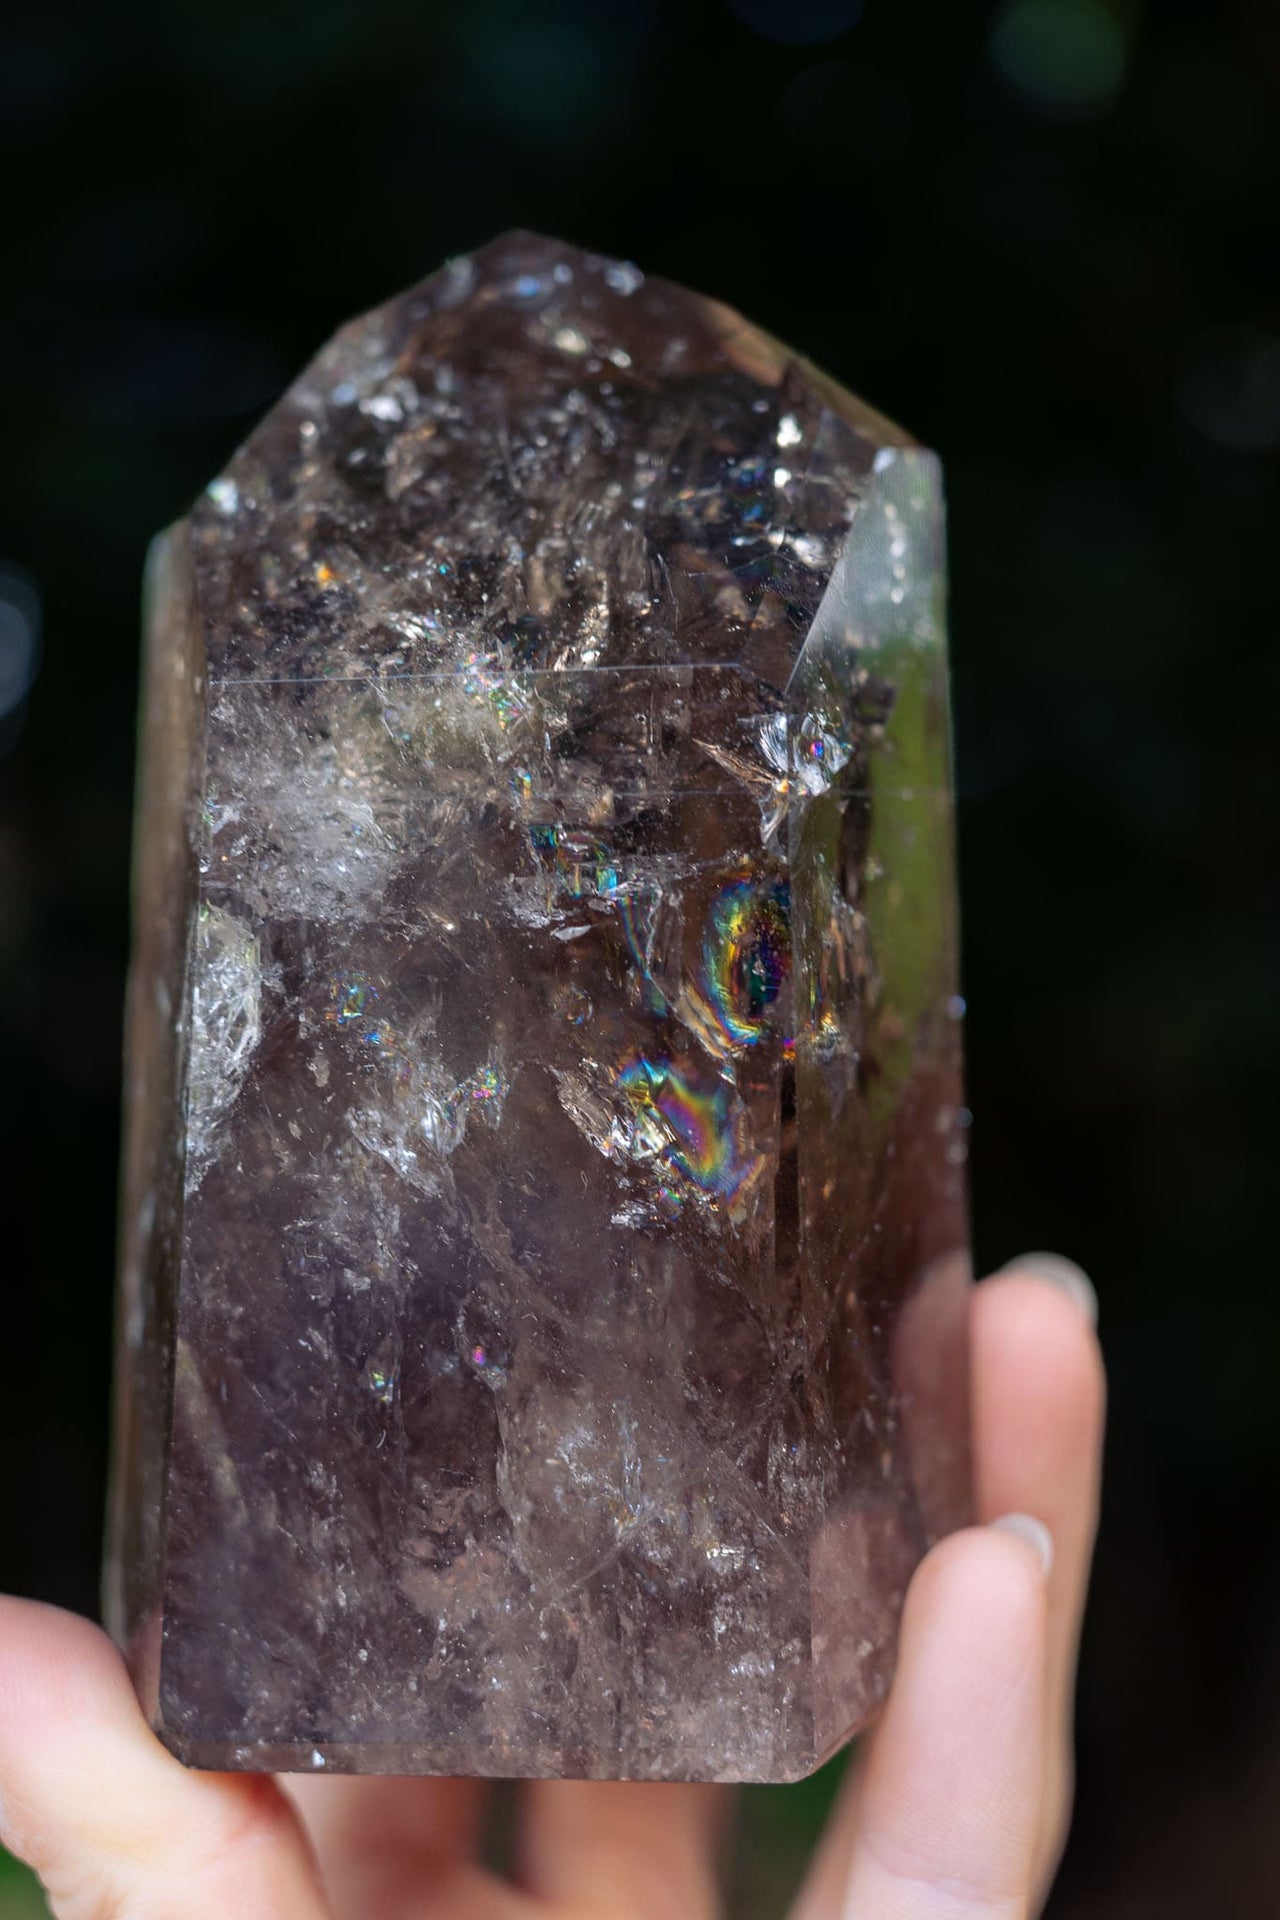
[941,1820]
[643,1850]
[109,1820]
[1038,1412]
[393,1847]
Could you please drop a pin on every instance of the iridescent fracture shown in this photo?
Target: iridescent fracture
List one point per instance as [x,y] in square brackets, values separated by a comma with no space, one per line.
[746,956]
[542,1305]
[693,1125]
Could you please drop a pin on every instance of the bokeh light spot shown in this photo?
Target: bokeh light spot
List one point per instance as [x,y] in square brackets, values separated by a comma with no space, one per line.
[1229,388]
[798,23]
[559,73]
[19,637]
[1064,59]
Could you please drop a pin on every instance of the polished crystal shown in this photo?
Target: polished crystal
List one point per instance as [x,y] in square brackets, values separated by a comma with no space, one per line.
[542,1313]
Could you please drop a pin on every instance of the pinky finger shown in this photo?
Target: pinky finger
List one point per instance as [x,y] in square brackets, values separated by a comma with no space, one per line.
[943,1813]
[109,1820]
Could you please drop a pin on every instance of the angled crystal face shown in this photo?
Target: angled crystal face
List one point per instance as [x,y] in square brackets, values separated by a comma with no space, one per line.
[542,1345]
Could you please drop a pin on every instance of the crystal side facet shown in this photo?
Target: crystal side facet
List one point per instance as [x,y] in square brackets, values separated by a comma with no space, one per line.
[542,1333]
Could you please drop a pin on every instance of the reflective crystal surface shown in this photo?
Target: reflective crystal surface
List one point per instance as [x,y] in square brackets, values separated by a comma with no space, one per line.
[541,1331]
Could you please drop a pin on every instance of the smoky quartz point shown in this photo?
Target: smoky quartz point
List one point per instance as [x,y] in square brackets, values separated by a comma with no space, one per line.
[541,1341]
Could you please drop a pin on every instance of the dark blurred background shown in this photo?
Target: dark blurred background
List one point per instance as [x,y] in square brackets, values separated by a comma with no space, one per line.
[1041,233]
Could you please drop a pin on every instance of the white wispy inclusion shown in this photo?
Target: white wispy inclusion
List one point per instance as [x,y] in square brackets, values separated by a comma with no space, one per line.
[424,1119]
[226,995]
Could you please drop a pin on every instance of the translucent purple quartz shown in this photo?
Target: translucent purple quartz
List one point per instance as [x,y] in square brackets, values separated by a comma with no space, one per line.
[542,1314]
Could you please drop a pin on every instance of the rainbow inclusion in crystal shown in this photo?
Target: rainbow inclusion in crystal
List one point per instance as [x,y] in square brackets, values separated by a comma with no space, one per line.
[698,1120]
[746,957]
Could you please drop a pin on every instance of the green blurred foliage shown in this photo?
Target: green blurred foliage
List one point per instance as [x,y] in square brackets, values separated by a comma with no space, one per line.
[20,1895]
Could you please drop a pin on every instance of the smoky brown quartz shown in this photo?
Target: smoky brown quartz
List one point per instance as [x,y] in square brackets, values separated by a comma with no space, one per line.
[541,1336]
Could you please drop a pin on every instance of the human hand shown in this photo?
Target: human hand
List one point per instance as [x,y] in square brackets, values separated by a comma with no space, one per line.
[955,1809]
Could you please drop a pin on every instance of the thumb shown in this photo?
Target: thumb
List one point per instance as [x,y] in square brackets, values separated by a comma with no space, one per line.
[109,1820]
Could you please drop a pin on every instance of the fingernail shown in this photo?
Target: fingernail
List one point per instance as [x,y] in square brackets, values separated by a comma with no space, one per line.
[1063,1273]
[1024,1526]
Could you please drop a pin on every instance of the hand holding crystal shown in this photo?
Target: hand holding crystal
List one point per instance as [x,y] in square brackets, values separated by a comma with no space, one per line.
[955,1808]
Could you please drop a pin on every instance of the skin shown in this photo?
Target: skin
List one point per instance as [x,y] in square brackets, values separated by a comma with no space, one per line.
[956,1808]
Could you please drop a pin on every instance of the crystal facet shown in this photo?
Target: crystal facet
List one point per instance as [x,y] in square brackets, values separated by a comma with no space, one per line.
[542,1313]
